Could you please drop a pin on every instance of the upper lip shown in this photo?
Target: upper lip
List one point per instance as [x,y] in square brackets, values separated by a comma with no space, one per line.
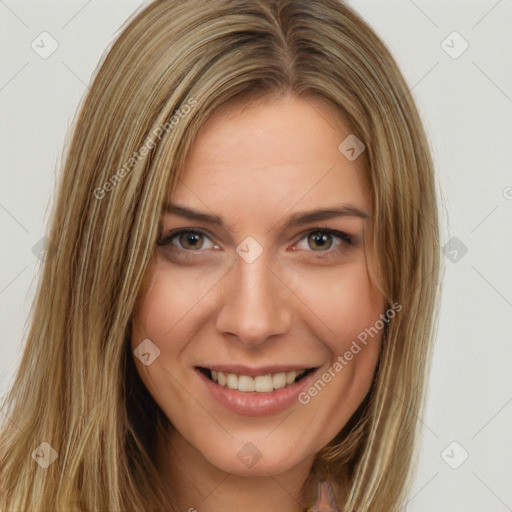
[255,371]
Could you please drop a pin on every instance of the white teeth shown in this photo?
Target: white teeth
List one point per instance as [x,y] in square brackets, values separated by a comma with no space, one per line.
[279,380]
[260,384]
[221,378]
[232,381]
[263,384]
[290,377]
[245,383]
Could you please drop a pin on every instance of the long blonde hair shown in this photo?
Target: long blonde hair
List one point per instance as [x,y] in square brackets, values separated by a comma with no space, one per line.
[173,65]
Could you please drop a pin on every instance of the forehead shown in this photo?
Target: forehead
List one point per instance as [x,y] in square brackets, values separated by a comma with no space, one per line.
[267,158]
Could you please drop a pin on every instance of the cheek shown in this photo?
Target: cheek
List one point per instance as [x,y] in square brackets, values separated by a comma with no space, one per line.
[348,307]
[160,315]
[171,303]
[165,314]
[344,303]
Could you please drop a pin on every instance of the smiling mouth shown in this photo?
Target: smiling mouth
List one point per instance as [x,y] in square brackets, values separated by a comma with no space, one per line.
[259,384]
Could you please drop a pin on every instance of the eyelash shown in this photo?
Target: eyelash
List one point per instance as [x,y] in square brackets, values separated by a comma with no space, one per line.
[344,238]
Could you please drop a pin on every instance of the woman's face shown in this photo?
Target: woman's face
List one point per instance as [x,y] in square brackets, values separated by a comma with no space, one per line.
[252,282]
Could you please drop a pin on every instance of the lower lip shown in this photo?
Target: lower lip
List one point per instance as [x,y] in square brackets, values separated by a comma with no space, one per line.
[255,403]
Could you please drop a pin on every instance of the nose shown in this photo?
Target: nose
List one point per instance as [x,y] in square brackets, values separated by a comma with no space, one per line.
[256,302]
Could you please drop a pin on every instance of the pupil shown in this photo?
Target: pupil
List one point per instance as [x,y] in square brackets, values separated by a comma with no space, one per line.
[190,240]
[321,239]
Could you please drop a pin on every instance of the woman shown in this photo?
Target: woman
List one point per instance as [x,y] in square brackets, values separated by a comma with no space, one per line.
[240,297]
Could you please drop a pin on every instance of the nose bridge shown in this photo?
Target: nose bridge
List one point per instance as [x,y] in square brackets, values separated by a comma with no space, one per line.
[256,303]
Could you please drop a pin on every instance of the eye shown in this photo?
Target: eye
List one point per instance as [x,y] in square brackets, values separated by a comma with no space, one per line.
[325,242]
[321,240]
[190,240]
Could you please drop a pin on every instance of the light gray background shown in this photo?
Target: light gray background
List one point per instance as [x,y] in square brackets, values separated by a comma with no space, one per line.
[466,102]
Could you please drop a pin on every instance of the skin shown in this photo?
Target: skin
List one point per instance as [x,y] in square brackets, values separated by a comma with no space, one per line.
[254,166]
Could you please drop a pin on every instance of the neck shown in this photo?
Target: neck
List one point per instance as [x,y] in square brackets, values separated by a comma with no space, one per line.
[193,483]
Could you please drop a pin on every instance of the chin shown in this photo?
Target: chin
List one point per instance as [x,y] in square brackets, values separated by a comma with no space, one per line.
[248,460]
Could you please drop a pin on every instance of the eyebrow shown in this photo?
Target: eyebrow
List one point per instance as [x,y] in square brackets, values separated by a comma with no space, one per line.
[294,220]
